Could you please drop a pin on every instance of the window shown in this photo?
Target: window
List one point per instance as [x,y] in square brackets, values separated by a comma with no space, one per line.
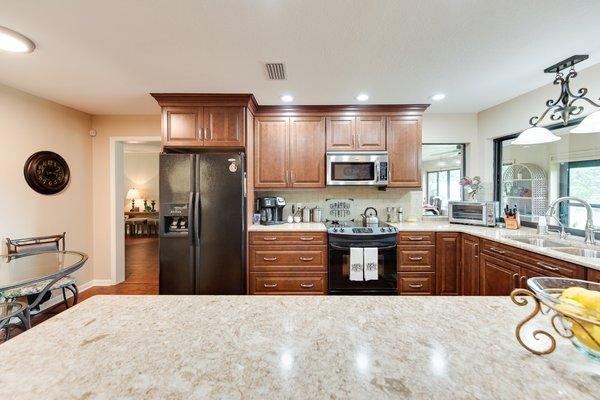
[444,184]
[443,166]
[579,179]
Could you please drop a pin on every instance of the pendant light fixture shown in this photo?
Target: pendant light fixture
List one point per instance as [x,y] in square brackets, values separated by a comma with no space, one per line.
[14,42]
[563,107]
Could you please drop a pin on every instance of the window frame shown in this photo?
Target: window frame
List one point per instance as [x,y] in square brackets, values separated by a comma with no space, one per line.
[564,173]
[463,166]
[460,170]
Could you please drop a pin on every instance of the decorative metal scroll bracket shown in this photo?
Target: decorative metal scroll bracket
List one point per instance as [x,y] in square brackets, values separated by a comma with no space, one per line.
[521,298]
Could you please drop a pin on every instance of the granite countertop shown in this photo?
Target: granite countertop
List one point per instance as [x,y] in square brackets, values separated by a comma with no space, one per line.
[500,235]
[292,347]
[293,227]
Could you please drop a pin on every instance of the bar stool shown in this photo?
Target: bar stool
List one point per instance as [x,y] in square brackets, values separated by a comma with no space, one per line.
[13,309]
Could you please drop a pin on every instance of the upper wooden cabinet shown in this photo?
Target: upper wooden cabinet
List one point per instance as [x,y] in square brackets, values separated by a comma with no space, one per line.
[356,133]
[224,126]
[182,126]
[289,152]
[404,150]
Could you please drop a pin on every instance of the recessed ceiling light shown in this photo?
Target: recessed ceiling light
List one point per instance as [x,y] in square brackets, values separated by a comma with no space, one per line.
[362,97]
[287,98]
[438,97]
[14,42]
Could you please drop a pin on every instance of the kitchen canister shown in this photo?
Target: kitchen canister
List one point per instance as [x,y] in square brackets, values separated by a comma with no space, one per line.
[306,214]
[317,214]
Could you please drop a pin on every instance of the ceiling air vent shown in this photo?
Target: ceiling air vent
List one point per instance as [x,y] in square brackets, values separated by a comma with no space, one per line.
[275,71]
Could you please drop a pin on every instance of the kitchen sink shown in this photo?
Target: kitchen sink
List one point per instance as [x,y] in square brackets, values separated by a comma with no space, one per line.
[538,241]
[581,252]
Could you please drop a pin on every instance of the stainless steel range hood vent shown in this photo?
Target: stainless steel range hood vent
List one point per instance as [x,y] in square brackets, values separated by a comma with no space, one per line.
[276,71]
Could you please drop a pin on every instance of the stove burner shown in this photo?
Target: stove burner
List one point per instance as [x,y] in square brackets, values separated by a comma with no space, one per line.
[359,229]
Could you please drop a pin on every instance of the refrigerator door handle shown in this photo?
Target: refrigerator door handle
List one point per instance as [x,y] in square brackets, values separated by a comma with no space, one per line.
[197,218]
[191,225]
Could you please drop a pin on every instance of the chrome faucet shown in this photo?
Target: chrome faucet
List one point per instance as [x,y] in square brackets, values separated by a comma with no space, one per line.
[590,229]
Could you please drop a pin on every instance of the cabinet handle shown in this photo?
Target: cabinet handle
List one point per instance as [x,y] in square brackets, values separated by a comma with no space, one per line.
[270,258]
[415,258]
[495,250]
[415,238]
[476,251]
[416,285]
[270,285]
[306,258]
[307,238]
[269,238]
[209,133]
[291,176]
[515,280]
[521,281]
[307,285]
[548,266]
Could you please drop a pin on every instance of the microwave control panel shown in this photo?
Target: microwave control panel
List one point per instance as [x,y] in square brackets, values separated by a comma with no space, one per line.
[383,171]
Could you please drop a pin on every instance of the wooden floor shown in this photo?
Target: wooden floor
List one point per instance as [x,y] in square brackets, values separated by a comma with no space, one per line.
[141,277]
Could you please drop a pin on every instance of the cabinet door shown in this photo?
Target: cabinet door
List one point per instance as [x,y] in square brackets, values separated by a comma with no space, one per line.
[224,126]
[182,126]
[593,275]
[307,152]
[447,263]
[271,152]
[470,265]
[370,133]
[404,149]
[341,133]
[496,277]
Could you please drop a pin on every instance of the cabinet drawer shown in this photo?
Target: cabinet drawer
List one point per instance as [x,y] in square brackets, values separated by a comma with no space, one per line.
[290,258]
[307,238]
[416,259]
[416,283]
[416,238]
[534,261]
[288,283]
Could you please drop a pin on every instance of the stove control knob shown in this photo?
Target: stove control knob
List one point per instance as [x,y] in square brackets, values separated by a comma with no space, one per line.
[390,229]
[382,229]
[334,229]
[341,229]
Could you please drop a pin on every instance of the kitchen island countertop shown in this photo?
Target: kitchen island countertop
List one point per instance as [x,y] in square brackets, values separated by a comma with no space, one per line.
[181,347]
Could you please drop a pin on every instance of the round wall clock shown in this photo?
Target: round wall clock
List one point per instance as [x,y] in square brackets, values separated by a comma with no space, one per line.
[46,172]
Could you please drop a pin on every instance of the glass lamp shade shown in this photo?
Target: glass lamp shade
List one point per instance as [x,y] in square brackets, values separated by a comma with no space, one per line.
[590,124]
[133,194]
[535,135]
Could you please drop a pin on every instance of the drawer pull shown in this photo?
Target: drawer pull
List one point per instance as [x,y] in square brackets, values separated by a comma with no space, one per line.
[306,258]
[307,285]
[415,238]
[307,238]
[416,285]
[269,238]
[495,250]
[270,285]
[270,258]
[415,258]
[548,266]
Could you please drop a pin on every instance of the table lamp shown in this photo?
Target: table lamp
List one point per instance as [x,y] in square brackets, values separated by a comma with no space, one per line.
[132,194]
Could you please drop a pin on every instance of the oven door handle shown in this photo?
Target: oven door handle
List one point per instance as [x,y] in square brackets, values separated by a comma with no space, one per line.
[333,246]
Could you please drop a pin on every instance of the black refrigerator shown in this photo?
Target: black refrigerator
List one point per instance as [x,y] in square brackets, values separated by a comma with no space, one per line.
[202,218]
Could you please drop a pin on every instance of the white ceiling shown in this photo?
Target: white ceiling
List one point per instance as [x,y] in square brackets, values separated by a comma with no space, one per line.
[104,57]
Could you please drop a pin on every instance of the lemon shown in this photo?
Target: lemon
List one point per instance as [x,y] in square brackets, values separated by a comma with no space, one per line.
[584,338]
[589,299]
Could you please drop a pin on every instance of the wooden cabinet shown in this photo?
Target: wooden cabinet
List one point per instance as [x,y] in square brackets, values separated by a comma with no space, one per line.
[271,148]
[203,126]
[497,277]
[287,263]
[416,283]
[447,264]
[307,152]
[356,133]
[289,152]
[404,150]
[593,275]
[416,260]
[469,259]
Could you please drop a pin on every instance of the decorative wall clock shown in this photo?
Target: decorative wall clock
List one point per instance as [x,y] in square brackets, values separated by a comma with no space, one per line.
[46,172]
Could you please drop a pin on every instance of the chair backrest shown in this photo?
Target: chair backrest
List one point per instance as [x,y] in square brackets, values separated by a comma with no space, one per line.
[36,244]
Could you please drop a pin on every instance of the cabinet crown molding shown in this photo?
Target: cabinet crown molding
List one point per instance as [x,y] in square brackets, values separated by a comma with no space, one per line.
[206,99]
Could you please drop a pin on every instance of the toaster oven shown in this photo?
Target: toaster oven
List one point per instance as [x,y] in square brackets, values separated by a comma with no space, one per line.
[483,213]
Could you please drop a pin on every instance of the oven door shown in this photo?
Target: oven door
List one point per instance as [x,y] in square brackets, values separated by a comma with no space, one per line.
[357,169]
[467,213]
[339,272]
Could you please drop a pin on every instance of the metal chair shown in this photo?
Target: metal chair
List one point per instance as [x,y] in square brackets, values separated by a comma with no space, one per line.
[13,309]
[36,245]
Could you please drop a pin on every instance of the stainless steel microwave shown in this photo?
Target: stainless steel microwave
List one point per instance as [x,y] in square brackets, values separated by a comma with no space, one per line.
[473,213]
[357,168]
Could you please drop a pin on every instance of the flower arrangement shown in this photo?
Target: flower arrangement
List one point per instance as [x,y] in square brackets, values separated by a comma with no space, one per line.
[472,185]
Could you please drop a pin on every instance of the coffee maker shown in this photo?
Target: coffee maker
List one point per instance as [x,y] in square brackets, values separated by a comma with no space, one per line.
[270,209]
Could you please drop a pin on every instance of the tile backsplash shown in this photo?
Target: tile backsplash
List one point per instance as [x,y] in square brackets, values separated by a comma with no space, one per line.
[409,200]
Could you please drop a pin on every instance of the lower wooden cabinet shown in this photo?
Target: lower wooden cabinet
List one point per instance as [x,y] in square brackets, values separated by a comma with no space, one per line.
[447,264]
[593,275]
[469,258]
[416,283]
[497,277]
[288,283]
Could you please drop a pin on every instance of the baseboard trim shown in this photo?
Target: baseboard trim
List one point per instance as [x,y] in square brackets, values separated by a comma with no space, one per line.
[57,297]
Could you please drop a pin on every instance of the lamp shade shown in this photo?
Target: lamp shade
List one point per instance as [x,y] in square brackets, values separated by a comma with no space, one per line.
[535,135]
[590,124]
[133,194]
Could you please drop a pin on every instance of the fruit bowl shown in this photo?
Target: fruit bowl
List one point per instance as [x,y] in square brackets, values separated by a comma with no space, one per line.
[574,307]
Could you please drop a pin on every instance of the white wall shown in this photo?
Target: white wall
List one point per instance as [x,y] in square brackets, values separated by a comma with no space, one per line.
[141,172]
[513,115]
[29,124]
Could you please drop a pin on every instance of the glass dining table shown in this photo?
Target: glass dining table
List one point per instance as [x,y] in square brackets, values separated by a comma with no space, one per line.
[20,270]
